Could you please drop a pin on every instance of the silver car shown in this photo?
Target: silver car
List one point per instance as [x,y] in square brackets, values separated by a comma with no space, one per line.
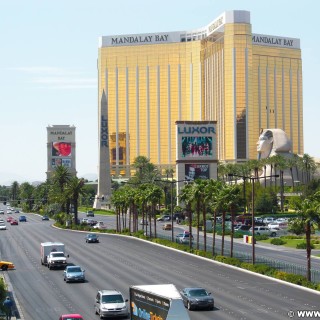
[110,303]
[74,274]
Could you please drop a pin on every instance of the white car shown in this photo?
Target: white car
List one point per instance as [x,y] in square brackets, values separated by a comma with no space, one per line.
[99,225]
[3,226]
[268,220]
[259,230]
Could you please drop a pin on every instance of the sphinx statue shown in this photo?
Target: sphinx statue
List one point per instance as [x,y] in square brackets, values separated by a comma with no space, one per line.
[274,142]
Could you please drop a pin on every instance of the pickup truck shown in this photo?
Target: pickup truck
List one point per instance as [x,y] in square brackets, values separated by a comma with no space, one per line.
[56,260]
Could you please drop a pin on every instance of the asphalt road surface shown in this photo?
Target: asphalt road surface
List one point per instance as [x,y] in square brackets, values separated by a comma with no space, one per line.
[118,262]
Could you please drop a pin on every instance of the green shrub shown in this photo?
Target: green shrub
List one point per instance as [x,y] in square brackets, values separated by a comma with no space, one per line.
[303,245]
[228,260]
[291,237]
[278,241]
[296,279]
[261,237]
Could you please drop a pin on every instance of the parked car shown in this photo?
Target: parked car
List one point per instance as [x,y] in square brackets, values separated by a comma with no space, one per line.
[183,238]
[91,238]
[260,230]
[5,265]
[100,225]
[22,219]
[73,274]
[167,226]
[111,303]
[73,316]
[242,227]
[164,218]
[197,298]
[268,220]
[90,213]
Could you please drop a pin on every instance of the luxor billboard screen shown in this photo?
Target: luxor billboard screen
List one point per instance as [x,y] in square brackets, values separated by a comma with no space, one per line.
[145,306]
[196,147]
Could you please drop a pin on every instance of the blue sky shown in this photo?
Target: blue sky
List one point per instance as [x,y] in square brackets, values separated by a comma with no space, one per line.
[48,66]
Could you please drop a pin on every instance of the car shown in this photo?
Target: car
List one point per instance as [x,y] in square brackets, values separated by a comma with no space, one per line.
[45,218]
[242,227]
[197,298]
[16,211]
[100,225]
[144,222]
[5,265]
[84,220]
[22,219]
[1,211]
[14,222]
[91,237]
[90,213]
[164,218]
[268,220]
[167,226]
[260,230]
[91,222]
[9,219]
[111,303]
[73,316]
[73,274]
[184,237]
[3,226]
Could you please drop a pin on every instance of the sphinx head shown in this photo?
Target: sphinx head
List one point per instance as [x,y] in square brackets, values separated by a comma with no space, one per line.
[272,142]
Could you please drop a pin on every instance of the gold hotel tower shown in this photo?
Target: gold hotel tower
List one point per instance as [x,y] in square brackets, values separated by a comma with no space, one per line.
[221,72]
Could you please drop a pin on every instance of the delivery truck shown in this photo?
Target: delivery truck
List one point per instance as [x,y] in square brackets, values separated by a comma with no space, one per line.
[160,301]
[53,254]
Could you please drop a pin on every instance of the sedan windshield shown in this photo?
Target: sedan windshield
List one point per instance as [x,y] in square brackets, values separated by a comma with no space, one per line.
[198,293]
[75,269]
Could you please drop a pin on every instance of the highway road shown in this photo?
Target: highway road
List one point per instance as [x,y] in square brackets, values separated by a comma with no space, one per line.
[118,262]
[276,253]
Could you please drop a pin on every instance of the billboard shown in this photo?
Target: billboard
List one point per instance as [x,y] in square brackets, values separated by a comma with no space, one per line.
[61,149]
[60,162]
[196,146]
[196,171]
[145,305]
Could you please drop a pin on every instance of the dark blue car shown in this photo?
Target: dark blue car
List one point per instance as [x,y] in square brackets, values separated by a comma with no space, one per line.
[22,219]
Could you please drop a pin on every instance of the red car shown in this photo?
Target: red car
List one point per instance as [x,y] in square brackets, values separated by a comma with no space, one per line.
[9,219]
[71,317]
[14,222]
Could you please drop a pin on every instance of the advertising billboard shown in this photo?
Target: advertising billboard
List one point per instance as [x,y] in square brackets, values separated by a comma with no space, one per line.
[196,171]
[145,305]
[60,162]
[196,146]
[61,149]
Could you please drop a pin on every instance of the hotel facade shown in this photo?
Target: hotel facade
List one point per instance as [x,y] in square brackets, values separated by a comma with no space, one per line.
[222,72]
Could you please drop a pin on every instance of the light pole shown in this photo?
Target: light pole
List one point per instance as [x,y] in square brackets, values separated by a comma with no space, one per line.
[252,180]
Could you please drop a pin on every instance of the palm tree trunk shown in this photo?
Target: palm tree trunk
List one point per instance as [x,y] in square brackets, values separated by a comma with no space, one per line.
[232,232]
[198,223]
[214,232]
[308,241]
[223,231]
[204,228]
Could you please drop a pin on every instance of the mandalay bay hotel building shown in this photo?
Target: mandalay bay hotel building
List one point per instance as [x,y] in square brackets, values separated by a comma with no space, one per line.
[222,72]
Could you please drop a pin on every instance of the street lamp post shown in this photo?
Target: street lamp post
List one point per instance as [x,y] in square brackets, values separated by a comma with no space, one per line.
[252,180]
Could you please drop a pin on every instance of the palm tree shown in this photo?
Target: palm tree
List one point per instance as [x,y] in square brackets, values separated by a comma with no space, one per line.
[186,196]
[60,178]
[309,215]
[211,197]
[26,193]
[14,190]
[75,189]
